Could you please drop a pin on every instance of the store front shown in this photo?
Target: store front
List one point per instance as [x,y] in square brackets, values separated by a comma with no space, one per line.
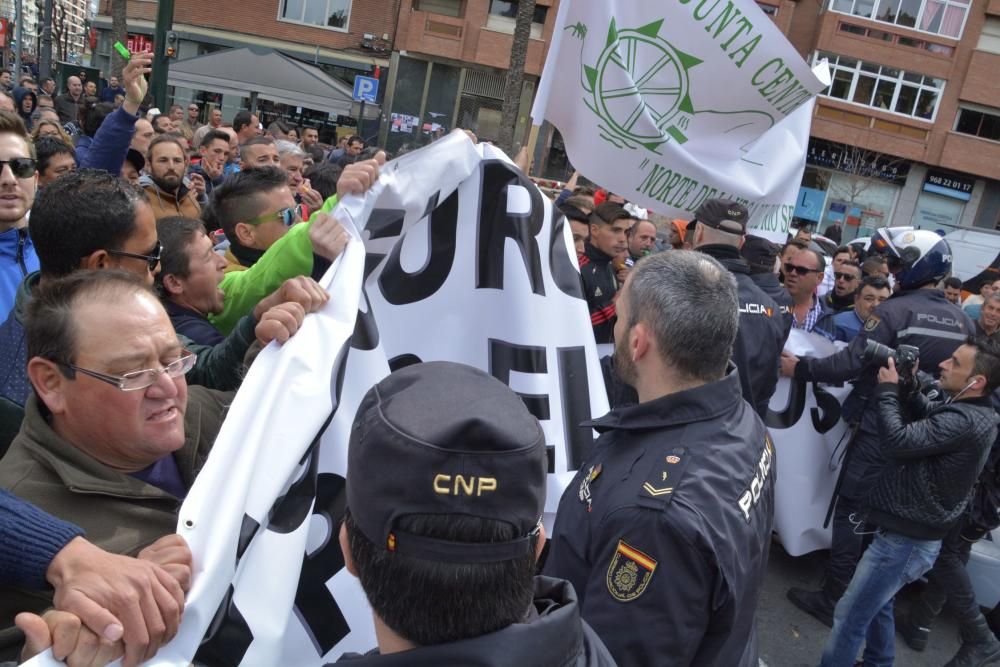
[942,200]
[849,187]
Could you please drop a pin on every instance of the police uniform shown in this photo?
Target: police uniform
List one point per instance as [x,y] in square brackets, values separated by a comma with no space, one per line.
[923,318]
[600,284]
[761,335]
[445,439]
[664,531]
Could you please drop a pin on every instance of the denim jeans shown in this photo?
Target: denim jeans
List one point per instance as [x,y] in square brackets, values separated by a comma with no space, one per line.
[864,613]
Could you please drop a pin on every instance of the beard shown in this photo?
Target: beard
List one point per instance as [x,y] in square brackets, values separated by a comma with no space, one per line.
[169,182]
[624,366]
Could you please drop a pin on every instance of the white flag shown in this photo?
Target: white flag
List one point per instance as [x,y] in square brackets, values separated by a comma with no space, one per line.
[670,104]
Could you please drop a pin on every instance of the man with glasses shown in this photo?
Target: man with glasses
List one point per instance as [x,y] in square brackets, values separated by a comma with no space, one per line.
[18,180]
[113,436]
[803,274]
[846,279]
[170,190]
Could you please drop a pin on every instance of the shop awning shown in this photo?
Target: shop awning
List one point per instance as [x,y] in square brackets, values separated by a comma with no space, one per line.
[269,74]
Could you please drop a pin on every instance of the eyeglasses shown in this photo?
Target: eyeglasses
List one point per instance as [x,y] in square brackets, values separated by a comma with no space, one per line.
[801,270]
[137,380]
[152,259]
[21,167]
[289,216]
[848,277]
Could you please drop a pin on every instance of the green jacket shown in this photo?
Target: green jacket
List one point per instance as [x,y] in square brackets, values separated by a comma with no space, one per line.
[119,513]
[290,256]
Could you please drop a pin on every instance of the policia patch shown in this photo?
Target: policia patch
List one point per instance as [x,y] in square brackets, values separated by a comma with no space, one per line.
[629,573]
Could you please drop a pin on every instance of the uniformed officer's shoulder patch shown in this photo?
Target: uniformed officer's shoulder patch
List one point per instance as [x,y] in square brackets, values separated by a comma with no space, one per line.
[871,323]
[629,572]
[663,476]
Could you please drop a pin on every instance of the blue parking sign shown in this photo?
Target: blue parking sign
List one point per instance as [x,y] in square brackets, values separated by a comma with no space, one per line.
[365,88]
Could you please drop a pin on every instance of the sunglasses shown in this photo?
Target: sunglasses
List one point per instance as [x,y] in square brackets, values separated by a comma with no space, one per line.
[21,167]
[849,277]
[152,259]
[289,216]
[801,270]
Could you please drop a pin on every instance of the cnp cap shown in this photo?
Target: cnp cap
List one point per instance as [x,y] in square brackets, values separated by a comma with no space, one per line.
[723,214]
[448,439]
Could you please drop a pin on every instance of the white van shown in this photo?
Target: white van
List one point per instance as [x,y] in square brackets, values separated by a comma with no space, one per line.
[975,256]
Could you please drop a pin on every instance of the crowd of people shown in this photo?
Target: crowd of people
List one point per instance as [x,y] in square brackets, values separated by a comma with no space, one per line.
[145,258]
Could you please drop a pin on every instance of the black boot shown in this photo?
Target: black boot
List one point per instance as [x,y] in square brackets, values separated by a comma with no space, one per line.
[979,645]
[915,627]
[818,604]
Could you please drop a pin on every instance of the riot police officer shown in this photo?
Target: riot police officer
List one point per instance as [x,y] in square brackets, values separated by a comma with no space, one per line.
[917,315]
[762,332]
[664,532]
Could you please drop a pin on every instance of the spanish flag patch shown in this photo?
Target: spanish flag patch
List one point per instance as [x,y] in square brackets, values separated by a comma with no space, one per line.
[629,572]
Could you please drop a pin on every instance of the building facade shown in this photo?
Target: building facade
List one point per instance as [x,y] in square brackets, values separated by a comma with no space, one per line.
[344,38]
[908,133]
[449,69]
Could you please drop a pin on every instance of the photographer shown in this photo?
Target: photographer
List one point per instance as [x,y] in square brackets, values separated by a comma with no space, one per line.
[918,316]
[934,460]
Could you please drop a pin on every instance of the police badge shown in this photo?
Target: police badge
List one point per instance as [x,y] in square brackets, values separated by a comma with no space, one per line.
[629,573]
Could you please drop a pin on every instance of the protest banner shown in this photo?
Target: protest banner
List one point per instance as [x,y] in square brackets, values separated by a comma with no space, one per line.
[672,104]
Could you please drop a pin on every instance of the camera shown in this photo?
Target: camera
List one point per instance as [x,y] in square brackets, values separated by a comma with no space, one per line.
[906,358]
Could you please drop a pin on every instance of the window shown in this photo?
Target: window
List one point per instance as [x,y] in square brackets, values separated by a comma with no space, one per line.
[884,36]
[503,16]
[884,88]
[445,7]
[938,17]
[978,123]
[324,13]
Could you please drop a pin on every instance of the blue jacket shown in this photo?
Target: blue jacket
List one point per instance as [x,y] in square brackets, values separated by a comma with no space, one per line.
[107,150]
[17,259]
[29,540]
[108,94]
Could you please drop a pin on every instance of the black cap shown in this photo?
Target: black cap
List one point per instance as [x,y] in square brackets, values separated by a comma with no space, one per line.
[448,439]
[136,159]
[758,251]
[723,214]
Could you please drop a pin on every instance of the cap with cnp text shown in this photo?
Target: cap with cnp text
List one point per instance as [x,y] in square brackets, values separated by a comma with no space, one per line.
[446,439]
[723,214]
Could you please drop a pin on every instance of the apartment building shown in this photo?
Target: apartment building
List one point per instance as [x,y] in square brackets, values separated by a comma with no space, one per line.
[448,68]
[909,130]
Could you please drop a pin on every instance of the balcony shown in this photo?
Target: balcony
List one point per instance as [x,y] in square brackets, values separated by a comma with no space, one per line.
[436,34]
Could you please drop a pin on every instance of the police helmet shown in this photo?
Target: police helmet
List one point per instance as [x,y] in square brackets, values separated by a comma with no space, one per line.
[916,256]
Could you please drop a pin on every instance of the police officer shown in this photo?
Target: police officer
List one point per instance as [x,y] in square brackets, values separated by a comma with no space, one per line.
[917,315]
[664,532]
[446,485]
[719,233]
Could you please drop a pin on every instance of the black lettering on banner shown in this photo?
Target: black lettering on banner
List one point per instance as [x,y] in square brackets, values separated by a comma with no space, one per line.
[824,416]
[565,272]
[314,603]
[228,636]
[830,407]
[575,389]
[382,223]
[399,287]
[505,357]
[496,225]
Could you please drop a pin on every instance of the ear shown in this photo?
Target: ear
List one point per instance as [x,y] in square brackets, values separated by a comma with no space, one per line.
[99,259]
[592,228]
[345,549]
[244,234]
[172,284]
[49,383]
[540,545]
[743,240]
[639,341]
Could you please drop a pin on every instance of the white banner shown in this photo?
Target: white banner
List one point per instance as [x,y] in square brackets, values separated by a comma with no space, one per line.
[809,440]
[670,104]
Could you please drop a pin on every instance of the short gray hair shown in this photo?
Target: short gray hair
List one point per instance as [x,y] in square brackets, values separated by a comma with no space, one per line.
[287,148]
[688,300]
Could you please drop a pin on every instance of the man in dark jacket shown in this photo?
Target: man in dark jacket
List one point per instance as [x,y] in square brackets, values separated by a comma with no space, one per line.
[607,242]
[445,544]
[949,580]
[664,532]
[934,462]
[762,332]
[919,316]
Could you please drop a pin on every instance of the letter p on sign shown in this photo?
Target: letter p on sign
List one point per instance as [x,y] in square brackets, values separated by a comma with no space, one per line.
[365,89]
